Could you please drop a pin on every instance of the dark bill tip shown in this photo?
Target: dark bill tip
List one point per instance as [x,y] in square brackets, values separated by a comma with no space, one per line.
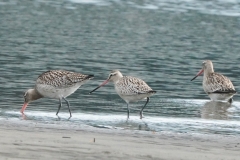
[94,89]
[105,82]
[194,78]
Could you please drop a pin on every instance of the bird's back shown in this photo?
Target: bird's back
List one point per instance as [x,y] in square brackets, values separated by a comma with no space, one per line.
[59,83]
[217,83]
[61,78]
[128,85]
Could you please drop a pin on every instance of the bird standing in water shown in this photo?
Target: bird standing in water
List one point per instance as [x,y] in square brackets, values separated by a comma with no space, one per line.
[217,86]
[130,89]
[56,84]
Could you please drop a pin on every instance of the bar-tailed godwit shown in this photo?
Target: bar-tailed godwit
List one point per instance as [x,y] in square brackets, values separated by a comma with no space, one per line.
[130,89]
[57,84]
[217,86]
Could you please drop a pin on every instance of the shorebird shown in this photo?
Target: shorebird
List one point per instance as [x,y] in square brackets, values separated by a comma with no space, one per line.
[130,89]
[56,84]
[217,86]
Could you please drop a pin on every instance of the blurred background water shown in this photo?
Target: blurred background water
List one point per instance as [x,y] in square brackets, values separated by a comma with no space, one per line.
[162,42]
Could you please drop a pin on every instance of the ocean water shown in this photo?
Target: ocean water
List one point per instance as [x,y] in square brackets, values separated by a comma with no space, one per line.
[162,42]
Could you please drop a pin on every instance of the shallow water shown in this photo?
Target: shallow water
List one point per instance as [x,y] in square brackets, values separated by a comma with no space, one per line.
[161,42]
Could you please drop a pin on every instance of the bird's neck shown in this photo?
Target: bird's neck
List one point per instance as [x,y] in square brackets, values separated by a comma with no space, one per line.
[208,71]
[35,94]
[117,80]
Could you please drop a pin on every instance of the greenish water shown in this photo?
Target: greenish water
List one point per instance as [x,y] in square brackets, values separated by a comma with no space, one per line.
[162,42]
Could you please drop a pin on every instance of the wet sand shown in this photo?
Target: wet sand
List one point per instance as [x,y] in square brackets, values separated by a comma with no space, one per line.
[46,141]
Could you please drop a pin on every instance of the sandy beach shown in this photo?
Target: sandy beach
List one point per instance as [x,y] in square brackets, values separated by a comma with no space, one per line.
[46,141]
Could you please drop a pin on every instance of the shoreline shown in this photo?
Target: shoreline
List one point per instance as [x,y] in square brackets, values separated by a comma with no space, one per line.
[24,140]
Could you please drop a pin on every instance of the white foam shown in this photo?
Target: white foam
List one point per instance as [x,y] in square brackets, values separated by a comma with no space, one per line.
[147,6]
[96,2]
[220,7]
[85,1]
[111,120]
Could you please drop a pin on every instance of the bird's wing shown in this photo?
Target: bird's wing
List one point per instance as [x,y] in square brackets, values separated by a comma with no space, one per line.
[131,85]
[61,78]
[217,83]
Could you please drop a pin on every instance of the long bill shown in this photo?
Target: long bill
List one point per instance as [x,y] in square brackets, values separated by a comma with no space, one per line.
[199,73]
[105,82]
[24,107]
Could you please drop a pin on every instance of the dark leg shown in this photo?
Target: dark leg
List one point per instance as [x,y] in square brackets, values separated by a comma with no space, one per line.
[141,112]
[127,111]
[230,100]
[68,107]
[60,105]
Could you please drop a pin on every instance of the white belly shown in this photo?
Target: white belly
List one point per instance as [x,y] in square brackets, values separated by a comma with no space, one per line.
[56,93]
[220,97]
[133,98]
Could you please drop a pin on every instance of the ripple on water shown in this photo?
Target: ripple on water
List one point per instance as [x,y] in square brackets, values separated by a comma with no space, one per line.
[212,121]
[162,42]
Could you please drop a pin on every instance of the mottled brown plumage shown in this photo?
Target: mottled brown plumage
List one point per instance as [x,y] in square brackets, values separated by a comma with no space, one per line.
[217,86]
[61,78]
[128,85]
[57,84]
[130,89]
[217,83]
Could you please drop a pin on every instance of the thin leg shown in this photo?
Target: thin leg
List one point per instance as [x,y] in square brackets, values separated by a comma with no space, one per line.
[230,100]
[141,112]
[127,111]
[60,105]
[68,107]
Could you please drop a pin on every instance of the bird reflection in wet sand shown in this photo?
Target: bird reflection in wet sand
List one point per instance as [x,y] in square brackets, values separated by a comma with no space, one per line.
[215,110]
[143,126]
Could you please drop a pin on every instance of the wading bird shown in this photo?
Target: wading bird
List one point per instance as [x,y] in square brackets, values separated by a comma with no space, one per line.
[130,89]
[217,86]
[57,84]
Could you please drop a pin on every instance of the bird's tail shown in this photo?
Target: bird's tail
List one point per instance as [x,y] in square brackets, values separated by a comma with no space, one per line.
[90,76]
[152,92]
